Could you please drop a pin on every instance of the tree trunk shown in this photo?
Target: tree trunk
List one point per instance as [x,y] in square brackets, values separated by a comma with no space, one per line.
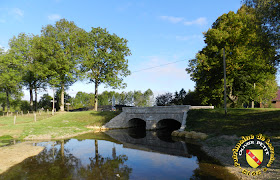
[96,151]
[31,96]
[96,96]
[8,102]
[62,98]
[231,97]
[35,99]
[62,150]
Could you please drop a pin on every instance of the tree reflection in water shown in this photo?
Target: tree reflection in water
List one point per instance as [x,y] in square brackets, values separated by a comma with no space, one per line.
[49,164]
[106,168]
[58,162]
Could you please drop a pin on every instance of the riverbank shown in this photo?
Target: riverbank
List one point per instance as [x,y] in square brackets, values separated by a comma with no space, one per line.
[14,154]
[46,127]
[224,132]
[60,126]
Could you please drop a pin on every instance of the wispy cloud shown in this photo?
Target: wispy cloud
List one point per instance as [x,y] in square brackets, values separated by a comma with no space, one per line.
[199,21]
[8,14]
[172,19]
[54,17]
[17,12]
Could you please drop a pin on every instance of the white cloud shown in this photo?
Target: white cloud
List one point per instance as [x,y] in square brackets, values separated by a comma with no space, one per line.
[18,12]
[8,14]
[54,17]
[172,19]
[199,21]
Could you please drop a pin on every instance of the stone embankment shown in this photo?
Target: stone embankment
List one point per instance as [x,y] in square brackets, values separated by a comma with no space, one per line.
[189,135]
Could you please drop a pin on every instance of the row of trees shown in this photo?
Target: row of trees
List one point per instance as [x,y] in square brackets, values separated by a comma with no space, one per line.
[251,58]
[86,100]
[179,98]
[58,57]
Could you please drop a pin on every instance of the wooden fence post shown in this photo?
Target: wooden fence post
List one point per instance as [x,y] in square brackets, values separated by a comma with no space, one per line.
[35,117]
[15,117]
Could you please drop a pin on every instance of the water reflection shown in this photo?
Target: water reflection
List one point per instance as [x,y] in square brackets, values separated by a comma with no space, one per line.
[118,154]
[150,142]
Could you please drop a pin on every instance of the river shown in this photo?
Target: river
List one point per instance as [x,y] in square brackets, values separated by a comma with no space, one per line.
[118,154]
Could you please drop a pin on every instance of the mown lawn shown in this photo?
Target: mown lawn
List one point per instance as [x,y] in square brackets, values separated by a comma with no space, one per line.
[59,125]
[238,121]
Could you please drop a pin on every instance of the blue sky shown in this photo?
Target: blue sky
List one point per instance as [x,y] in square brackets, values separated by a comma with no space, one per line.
[158,32]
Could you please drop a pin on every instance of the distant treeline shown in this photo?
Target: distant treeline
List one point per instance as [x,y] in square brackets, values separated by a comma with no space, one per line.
[86,100]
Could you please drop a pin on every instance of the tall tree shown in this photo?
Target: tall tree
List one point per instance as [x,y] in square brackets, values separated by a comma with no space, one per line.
[34,75]
[268,11]
[249,58]
[104,59]
[10,75]
[62,51]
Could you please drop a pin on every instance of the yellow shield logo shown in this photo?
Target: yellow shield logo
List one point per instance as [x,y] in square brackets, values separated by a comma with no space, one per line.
[254,157]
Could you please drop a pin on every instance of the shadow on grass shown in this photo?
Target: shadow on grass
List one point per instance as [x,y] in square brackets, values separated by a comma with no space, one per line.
[238,121]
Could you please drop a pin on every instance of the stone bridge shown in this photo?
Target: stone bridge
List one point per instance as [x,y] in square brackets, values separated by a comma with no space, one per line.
[155,117]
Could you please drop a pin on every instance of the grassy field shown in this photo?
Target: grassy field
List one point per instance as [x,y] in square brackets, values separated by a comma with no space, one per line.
[48,126]
[238,121]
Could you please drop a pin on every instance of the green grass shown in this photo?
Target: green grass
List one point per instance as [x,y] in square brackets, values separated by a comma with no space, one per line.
[238,121]
[59,125]
[6,137]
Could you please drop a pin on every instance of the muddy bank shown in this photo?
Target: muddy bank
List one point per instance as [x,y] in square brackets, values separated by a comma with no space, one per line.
[221,148]
[14,154]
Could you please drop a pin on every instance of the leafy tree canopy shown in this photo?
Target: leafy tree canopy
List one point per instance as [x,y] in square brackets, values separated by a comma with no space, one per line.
[250,58]
[62,50]
[268,11]
[104,59]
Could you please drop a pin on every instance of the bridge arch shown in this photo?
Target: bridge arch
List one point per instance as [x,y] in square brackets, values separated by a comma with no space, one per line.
[172,124]
[136,122]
